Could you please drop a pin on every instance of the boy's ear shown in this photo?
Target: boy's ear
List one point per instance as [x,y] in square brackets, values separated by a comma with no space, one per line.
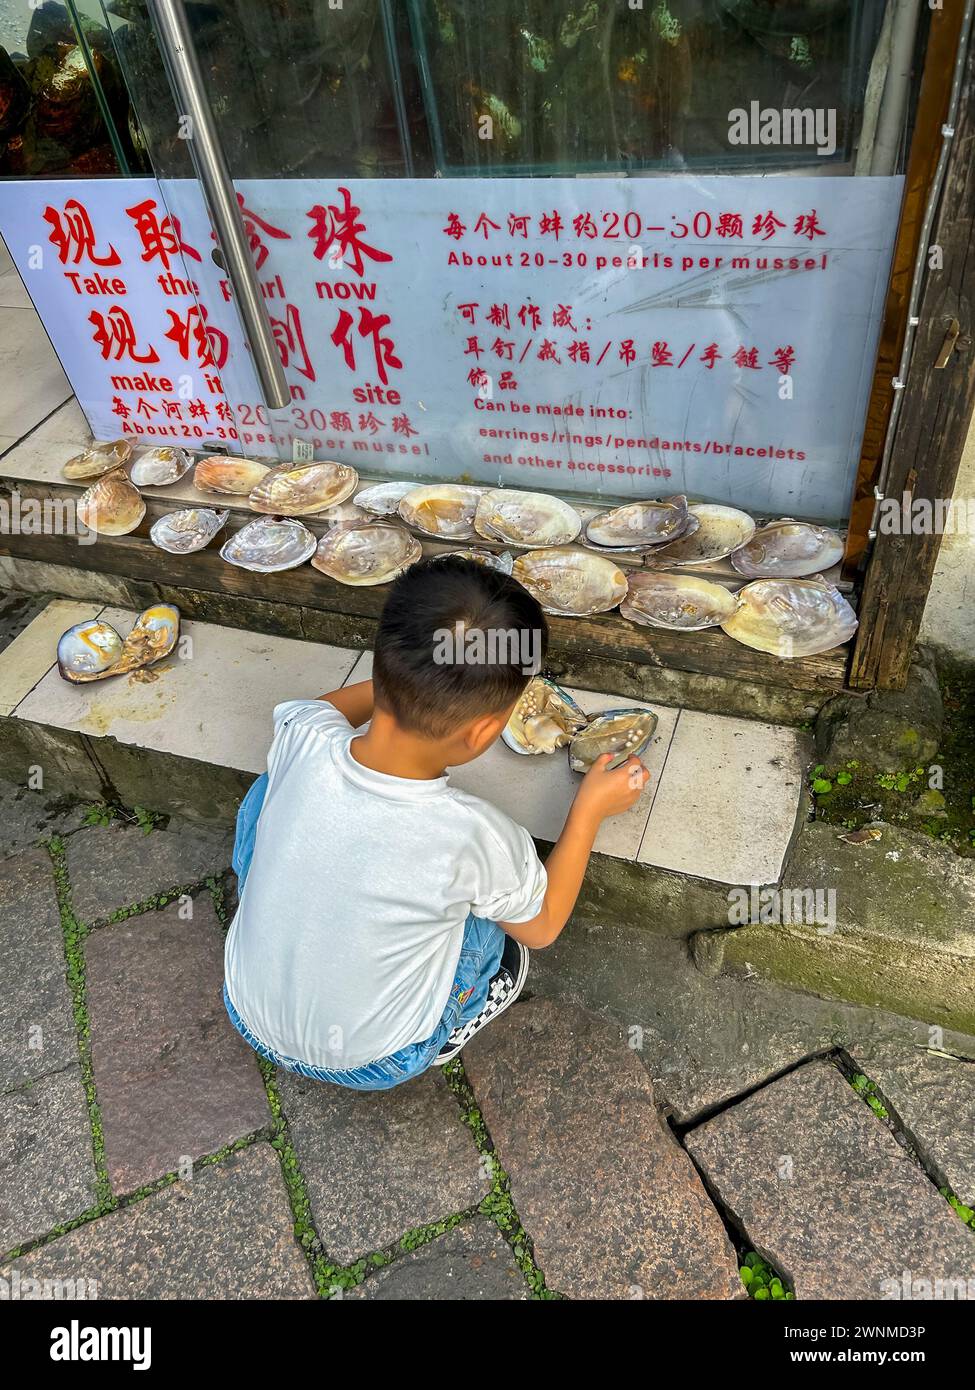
[484,729]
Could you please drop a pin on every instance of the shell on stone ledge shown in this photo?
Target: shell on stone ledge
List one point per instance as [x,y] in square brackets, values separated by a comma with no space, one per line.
[112,506]
[97,459]
[639,525]
[268,544]
[444,510]
[366,552]
[532,519]
[574,583]
[301,489]
[791,617]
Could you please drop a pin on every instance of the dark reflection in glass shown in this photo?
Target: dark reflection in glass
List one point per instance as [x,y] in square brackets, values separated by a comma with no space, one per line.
[393,88]
[595,85]
[63,104]
[298,89]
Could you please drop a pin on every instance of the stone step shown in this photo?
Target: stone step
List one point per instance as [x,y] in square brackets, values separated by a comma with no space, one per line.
[822,1190]
[612,1203]
[191,739]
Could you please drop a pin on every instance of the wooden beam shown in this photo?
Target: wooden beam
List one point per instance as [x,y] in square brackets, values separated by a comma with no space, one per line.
[932,110]
[932,427]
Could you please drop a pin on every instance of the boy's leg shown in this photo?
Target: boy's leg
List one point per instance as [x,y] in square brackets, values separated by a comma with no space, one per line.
[501,965]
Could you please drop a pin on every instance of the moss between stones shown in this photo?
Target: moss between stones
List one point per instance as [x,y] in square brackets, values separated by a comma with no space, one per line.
[854,794]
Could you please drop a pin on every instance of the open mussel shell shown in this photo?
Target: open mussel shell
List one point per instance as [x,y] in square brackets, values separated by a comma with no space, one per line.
[573,583]
[501,560]
[720,530]
[637,525]
[383,499]
[294,489]
[157,467]
[152,638]
[366,552]
[185,531]
[444,510]
[112,506]
[623,732]
[788,549]
[93,651]
[234,476]
[545,718]
[526,518]
[791,617]
[684,602]
[269,544]
[97,459]
[87,650]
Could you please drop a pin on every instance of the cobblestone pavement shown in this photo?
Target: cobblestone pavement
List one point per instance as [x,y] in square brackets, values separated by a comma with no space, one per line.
[148,1152]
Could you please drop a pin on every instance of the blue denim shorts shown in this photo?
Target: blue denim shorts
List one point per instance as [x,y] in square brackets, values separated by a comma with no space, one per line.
[480,956]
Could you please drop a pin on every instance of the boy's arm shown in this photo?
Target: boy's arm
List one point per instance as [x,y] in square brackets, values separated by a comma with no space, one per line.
[602,794]
[354,701]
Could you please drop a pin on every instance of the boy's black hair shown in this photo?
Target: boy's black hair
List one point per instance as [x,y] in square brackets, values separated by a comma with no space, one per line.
[456,640]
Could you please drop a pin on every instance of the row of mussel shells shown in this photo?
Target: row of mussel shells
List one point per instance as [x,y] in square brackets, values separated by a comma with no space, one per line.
[569,563]
[546,718]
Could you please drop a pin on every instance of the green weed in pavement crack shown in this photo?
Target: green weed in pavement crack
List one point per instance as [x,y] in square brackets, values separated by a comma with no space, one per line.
[497,1204]
[762,1282]
[74,934]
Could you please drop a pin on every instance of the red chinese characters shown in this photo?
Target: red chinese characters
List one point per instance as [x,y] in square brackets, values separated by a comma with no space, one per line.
[116,336]
[162,239]
[340,228]
[74,236]
[370,326]
[192,333]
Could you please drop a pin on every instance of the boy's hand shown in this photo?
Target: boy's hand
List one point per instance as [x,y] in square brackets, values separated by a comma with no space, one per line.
[606,793]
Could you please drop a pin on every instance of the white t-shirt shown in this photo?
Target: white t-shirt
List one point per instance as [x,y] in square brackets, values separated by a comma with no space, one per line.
[346,941]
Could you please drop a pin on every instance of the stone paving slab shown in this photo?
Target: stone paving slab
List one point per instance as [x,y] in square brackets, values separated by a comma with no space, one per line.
[379,1163]
[472,1262]
[226,1234]
[28,816]
[706,1040]
[933,1099]
[47,1168]
[824,1191]
[113,866]
[611,1202]
[173,1078]
[37,1033]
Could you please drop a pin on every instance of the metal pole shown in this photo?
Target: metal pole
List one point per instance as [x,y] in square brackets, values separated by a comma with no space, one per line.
[221,197]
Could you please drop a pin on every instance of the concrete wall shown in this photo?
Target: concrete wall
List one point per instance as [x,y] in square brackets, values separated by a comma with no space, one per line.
[949,618]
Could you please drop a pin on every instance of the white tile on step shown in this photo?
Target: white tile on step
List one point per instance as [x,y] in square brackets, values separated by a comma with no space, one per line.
[33,382]
[538,791]
[728,799]
[361,671]
[213,704]
[33,652]
[40,458]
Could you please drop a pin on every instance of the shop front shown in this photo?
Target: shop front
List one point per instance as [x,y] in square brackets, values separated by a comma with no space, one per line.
[611,253]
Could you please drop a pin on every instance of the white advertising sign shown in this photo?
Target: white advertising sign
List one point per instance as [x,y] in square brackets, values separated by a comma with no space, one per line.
[612,337]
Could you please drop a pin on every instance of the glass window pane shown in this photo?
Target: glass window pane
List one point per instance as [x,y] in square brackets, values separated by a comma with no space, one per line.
[64,109]
[528,86]
[301,90]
